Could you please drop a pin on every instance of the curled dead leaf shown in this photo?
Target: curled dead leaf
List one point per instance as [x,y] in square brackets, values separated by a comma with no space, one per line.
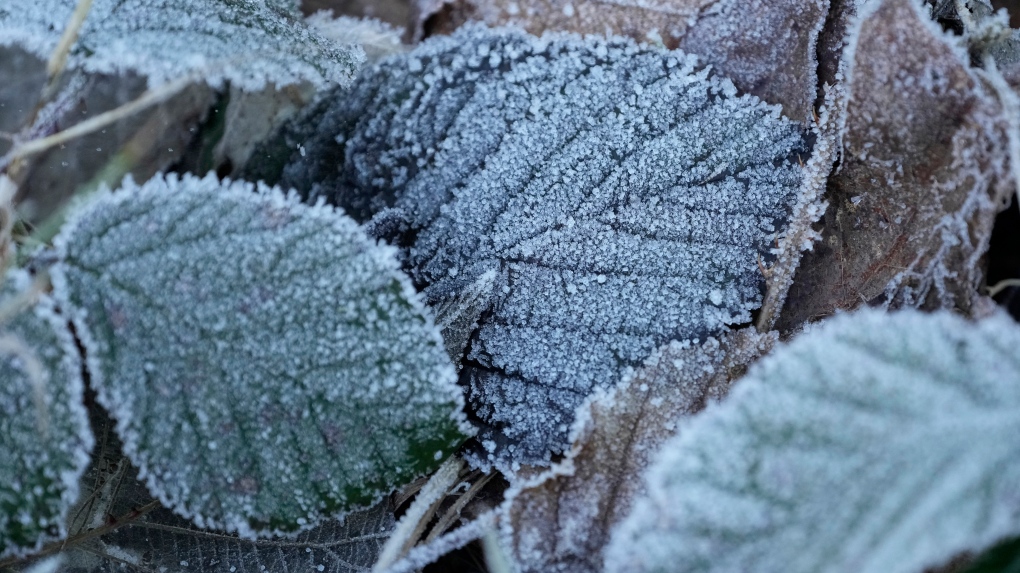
[925,168]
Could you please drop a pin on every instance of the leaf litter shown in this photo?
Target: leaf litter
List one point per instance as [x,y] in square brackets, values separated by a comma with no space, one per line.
[925,167]
[766,48]
[136,538]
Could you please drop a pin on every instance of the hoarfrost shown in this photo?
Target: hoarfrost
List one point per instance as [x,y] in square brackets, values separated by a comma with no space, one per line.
[616,192]
[561,520]
[44,432]
[214,313]
[250,43]
[161,540]
[377,38]
[767,48]
[925,167]
[878,443]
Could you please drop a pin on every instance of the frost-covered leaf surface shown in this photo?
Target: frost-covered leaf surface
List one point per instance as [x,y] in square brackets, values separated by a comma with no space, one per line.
[656,21]
[266,363]
[249,43]
[24,77]
[562,520]
[925,168]
[621,195]
[1007,58]
[767,48]
[873,443]
[377,37]
[44,433]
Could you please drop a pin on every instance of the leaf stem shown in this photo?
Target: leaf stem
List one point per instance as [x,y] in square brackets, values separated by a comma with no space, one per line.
[428,497]
[58,60]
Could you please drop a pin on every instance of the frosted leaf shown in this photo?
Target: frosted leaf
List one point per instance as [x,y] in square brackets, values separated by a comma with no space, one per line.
[266,364]
[458,318]
[1007,58]
[249,43]
[622,196]
[801,233]
[378,38]
[876,443]
[925,168]
[661,21]
[766,47]
[44,433]
[561,520]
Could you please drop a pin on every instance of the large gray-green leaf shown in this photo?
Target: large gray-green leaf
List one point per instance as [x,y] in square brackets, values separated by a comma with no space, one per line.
[621,195]
[266,363]
[249,43]
[875,443]
[44,433]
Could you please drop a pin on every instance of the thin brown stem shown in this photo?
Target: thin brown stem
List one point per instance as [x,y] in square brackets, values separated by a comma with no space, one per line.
[454,511]
[58,546]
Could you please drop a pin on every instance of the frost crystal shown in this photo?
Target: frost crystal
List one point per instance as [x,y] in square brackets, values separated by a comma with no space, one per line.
[561,520]
[44,431]
[621,195]
[247,42]
[876,443]
[266,363]
[924,168]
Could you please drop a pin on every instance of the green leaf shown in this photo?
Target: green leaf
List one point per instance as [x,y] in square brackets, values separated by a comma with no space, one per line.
[44,431]
[875,443]
[266,363]
[249,43]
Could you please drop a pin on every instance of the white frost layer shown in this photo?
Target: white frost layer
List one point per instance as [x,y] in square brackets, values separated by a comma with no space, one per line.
[875,443]
[249,43]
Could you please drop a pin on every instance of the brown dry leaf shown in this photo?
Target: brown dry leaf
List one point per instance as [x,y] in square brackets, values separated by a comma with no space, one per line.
[924,170]
[561,520]
[766,48]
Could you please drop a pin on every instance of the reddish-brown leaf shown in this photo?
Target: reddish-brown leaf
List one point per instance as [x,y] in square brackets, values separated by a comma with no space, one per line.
[925,168]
